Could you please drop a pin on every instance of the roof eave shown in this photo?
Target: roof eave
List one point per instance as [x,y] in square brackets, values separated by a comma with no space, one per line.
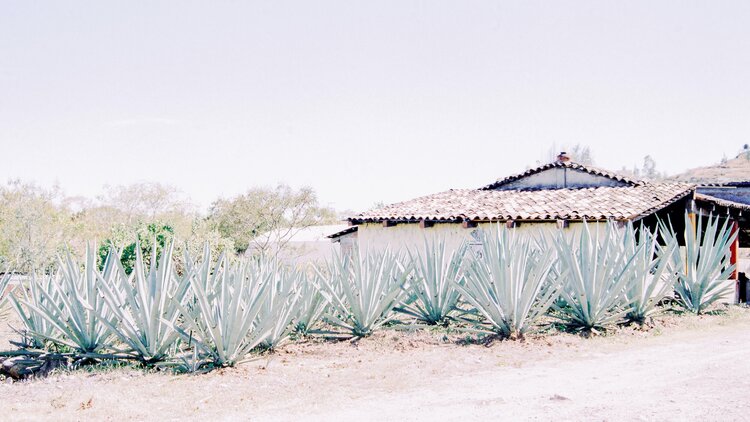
[689,191]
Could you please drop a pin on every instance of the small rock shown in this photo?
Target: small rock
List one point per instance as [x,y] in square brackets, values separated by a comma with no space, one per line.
[87,404]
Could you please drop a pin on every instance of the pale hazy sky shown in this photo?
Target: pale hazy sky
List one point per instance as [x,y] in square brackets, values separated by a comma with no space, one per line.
[363,101]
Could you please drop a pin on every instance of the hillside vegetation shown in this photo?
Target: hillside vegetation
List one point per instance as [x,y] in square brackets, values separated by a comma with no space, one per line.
[734,170]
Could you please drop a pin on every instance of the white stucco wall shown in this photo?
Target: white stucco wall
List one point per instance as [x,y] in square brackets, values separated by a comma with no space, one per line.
[372,237]
[297,253]
[399,237]
[557,178]
[300,246]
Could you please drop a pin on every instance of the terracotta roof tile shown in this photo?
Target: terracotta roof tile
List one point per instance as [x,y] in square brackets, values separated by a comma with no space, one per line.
[599,203]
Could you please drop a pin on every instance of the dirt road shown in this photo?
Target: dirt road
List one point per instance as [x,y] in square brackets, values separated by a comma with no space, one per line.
[687,369]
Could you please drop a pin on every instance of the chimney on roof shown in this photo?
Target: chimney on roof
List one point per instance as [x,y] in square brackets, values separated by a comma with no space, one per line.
[563,157]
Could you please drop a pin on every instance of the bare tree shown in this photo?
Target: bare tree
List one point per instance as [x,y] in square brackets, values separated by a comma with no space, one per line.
[647,172]
[264,217]
[33,225]
[146,200]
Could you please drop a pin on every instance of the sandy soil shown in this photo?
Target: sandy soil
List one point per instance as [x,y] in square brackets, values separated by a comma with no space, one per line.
[687,368]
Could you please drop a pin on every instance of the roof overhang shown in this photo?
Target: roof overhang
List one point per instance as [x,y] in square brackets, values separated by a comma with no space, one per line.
[721,204]
[597,204]
[348,230]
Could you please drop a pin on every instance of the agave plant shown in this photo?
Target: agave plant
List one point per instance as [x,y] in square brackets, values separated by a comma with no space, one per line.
[595,270]
[72,304]
[311,307]
[223,320]
[282,303]
[513,284]
[36,329]
[5,288]
[704,270]
[144,305]
[6,291]
[437,270]
[652,275]
[363,290]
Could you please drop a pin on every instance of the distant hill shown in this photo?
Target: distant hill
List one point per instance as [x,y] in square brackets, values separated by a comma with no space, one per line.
[735,170]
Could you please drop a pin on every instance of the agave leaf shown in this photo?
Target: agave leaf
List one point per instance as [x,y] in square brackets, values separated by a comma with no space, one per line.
[5,290]
[144,315]
[596,271]
[283,301]
[652,277]
[704,269]
[363,290]
[72,305]
[312,304]
[225,319]
[512,285]
[36,329]
[432,293]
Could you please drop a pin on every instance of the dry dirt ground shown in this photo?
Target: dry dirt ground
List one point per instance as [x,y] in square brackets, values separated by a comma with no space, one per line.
[685,368]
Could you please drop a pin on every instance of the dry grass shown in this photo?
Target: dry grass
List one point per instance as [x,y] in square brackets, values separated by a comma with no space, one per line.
[733,170]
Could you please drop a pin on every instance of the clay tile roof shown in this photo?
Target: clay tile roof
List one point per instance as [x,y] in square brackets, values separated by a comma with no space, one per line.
[620,203]
[569,165]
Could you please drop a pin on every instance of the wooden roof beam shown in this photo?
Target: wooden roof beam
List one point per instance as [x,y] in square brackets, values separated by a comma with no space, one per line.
[468,224]
[423,224]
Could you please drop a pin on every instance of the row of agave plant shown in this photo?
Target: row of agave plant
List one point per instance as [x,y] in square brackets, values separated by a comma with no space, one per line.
[217,311]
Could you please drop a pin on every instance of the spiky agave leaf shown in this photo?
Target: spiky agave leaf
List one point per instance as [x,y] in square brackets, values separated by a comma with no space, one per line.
[282,303]
[363,290]
[143,305]
[5,291]
[36,329]
[437,270]
[652,276]
[223,318]
[513,283]
[312,305]
[73,305]
[703,272]
[595,272]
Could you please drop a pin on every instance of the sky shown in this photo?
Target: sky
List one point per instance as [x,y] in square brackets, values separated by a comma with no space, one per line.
[365,102]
